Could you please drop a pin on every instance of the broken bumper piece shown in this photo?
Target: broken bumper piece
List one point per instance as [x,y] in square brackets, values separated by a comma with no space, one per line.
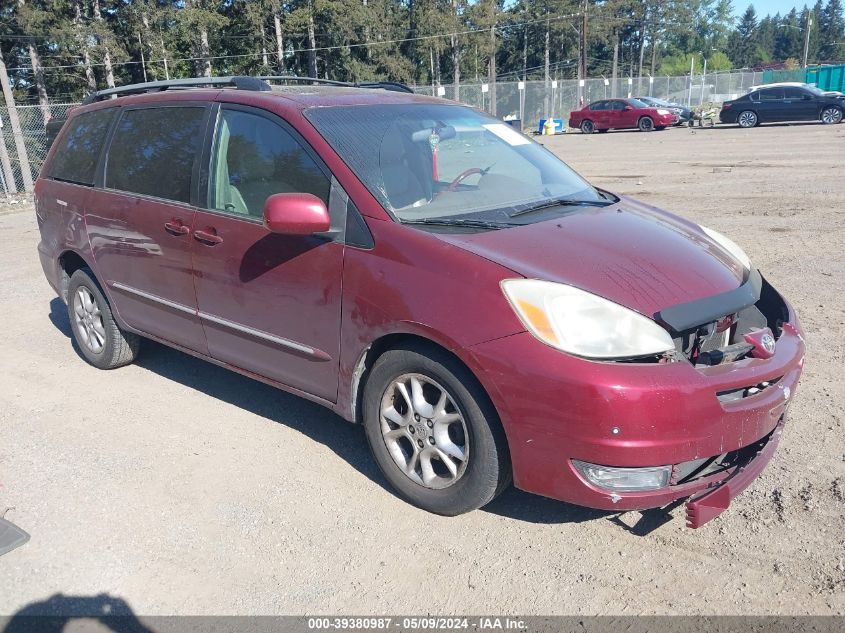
[707,505]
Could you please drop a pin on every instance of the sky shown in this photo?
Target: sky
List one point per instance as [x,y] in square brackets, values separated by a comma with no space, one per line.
[769,7]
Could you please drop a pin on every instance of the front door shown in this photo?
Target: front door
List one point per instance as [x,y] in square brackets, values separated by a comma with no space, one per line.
[802,105]
[140,223]
[269,303]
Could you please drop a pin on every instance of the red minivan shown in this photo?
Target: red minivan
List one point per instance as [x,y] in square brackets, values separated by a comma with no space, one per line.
[422,268]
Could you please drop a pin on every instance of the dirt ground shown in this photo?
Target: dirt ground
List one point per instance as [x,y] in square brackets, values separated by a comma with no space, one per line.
[179,487]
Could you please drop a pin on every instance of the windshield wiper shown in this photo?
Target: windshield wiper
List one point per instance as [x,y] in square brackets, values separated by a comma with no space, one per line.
[561,202]
[469,222]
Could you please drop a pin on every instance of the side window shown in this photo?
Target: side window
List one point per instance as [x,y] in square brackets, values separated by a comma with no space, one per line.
[253,158]
[153,150]
[599,105]
[772,94]
[617,105]
[794,93]
[78,152]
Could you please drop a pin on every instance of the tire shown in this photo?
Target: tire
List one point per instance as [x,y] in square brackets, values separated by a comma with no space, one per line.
[96,335]
[831,115]
[468,426]
[747,119]
[587,127]
[645,124]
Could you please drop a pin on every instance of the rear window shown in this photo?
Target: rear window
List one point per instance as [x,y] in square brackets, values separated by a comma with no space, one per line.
[153,151]
[78,151]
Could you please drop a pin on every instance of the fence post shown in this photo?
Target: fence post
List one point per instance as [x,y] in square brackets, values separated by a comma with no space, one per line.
[20,146]
[9,185]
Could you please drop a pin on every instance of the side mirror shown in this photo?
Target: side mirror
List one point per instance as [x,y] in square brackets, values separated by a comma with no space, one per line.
[296,214]
[807,97]
[627,108]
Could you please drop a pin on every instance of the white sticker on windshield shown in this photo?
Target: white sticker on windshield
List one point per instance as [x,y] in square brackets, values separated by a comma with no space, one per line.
[507,134]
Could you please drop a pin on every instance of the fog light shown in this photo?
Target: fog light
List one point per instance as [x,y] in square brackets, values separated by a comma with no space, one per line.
[624,479]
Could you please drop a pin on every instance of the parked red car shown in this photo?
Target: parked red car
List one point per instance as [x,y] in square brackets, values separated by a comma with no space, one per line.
[610,114]
[421,268]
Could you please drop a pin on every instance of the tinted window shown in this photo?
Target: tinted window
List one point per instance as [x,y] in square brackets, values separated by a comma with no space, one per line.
[772,94]
[254,158]
[620,105]
[599,105]
[79,150]
[795,93]
[153,151]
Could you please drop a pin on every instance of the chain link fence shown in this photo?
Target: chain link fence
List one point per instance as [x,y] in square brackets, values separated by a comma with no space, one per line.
[529,101]
[532,101]
[34,141]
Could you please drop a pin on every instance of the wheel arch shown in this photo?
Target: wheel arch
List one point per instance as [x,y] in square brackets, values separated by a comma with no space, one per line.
[396,340]
[69,262]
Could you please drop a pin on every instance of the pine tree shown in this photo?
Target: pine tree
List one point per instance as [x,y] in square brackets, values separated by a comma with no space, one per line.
[742,47]
[831,32]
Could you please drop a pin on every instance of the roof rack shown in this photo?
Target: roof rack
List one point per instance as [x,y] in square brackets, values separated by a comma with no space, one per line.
[394,86]
[257,84]
[239,82]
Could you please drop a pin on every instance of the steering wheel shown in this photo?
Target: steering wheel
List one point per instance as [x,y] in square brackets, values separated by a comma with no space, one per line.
[461,177]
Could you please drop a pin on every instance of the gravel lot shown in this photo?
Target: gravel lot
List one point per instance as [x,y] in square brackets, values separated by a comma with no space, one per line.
[179,487]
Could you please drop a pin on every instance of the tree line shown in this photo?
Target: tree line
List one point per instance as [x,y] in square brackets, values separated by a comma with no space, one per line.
[57,50]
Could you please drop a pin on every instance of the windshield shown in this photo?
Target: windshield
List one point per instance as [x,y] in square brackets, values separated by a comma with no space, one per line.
[657,102]
[638,104]
[426,162]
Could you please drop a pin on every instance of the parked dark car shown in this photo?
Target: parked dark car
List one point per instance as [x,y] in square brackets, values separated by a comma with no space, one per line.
[783,103]
[619,114]
[421,268]
[684,113]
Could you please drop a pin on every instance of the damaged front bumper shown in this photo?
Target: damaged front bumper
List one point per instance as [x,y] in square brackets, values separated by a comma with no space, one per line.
[717,426]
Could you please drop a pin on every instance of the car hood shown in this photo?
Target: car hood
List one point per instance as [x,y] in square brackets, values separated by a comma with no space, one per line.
[630,253]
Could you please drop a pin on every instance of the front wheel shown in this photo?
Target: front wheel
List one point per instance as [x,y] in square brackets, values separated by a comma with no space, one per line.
[98,337]
[587,127]
[831,115]
[433,432]
[747,119]
[646,124]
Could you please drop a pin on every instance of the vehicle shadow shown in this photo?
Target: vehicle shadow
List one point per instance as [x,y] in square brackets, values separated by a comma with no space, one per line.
[312,420]
[321,425]
[58,611]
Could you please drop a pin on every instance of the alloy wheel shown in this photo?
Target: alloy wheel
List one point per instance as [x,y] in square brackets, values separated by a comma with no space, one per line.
[89,320]
[424,431]
[831,115]
[747,119]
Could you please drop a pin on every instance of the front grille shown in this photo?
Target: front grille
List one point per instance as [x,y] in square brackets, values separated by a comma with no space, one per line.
[733,395]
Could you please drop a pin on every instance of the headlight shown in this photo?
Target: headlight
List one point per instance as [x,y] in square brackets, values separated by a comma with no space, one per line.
[662,111]
[582,323]
[624,479]
[729,245]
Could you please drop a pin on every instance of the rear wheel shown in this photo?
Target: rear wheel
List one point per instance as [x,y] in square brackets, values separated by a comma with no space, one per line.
[587,127]
[646,124]
[433,432]
[98,337]
[831,115]
[747,119]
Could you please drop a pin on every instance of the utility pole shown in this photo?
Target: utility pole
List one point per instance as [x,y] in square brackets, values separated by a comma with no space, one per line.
[14,121]
[807,36]
[582,46]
